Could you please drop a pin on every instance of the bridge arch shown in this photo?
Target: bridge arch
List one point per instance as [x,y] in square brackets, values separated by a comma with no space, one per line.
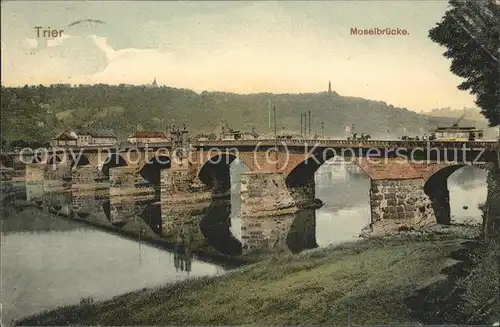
[79,160]
[54,160]
[40,158]
[215,226]
[151,170]
[302,173]
[314,184]
[151,215]
[215,172]
[436,187]
[114,160]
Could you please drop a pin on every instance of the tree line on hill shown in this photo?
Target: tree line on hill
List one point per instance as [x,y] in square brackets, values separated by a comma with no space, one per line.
[37,113]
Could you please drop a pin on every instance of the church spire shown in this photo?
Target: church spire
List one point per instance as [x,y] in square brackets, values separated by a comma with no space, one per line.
[154,82]
[329,86]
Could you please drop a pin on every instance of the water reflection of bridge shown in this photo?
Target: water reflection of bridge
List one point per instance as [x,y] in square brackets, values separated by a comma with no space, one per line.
[202,231]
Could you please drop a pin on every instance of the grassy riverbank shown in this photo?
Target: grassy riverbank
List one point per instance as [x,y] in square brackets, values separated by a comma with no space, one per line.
[369,282]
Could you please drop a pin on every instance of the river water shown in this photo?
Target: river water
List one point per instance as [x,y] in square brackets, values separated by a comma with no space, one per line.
[48,261]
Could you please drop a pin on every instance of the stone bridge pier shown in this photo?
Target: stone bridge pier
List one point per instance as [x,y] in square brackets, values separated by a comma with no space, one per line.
[397,204]
[181,185]
[85,202]
[289,233]
[406,195]
[128,182]
[88,177]
[266,195]
[43,178]
[121,211]
[180,227]
[35,182]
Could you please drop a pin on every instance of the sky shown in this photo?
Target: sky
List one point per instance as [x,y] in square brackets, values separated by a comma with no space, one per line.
[241,47]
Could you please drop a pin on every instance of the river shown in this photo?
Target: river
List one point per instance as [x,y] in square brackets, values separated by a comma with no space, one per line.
[48,261]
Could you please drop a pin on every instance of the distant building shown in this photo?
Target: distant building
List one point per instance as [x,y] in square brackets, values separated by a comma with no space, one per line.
[329,86]
[82,139]
[64,139]
[147,137]
[237,135]
[231,135]
[101,140]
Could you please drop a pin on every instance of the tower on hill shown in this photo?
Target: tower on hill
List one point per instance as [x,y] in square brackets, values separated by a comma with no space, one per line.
[329,86]
[154,84]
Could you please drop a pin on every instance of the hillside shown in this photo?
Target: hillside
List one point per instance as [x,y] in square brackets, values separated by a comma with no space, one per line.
[38,112]
[470,113]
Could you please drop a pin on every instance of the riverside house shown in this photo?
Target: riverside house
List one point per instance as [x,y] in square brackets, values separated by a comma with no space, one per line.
[65,139]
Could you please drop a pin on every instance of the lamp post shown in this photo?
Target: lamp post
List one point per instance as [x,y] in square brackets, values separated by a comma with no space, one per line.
[309,121]
[301,124]
[275,137]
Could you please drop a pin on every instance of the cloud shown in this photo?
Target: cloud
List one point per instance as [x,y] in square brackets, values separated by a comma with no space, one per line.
[57,41]
[30,43]
[256,47]
[69,60]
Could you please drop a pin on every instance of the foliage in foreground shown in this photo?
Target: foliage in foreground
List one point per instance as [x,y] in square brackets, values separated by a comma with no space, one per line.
[470,30]
[481,287]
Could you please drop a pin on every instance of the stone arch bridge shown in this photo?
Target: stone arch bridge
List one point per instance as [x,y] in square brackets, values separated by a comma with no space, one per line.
[408,178]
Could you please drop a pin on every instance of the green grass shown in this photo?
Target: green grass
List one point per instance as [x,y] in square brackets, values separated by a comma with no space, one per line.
[373,277]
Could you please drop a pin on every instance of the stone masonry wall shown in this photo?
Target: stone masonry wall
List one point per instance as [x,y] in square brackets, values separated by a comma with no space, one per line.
[264,195]
[57,172]
[82,202]
[122,212]
[265,235]
[127,181]
[179,187]
[34,173]
[305,196]
[175,220]
[399,203]
[88,177]
[34,181]
[57,177]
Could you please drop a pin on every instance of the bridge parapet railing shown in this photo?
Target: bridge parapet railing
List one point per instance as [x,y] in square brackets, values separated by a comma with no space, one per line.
[378,143]
[488,145]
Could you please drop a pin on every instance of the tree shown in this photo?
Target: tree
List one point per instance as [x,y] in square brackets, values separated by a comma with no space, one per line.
[470,30]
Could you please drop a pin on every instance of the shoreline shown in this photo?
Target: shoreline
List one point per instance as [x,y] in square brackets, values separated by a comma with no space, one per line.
[295,289]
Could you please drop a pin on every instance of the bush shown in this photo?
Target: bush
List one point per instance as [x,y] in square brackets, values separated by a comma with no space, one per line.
[481,288]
